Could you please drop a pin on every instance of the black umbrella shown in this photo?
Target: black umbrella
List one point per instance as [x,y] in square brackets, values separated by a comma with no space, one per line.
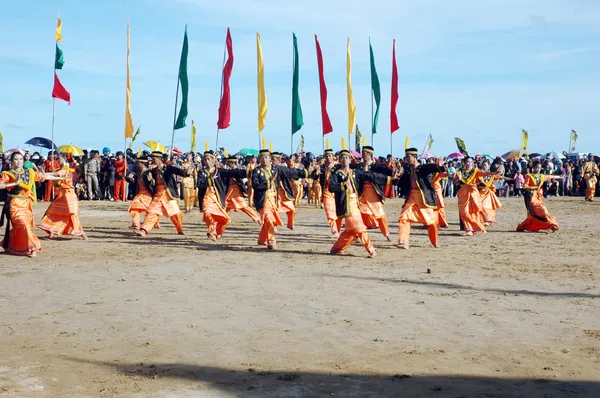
[41,142]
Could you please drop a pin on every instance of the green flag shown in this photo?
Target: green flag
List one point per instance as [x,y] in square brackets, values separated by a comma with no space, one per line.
[297,118]
[135,136]
[183,81]
[376,90]
[59,61]
[462,147]
[358,139]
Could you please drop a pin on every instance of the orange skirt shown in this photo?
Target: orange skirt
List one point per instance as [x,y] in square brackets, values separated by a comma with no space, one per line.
[163,204]
[285,205]
[212,206]
[22,241]
[329,205]
[370,203]
[140,203]
[533,224]
[469,208]
[489,205]
[235,198]
[62,217]
[414,210]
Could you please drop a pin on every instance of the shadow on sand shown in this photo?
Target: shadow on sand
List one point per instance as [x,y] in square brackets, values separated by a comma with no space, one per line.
[291,383]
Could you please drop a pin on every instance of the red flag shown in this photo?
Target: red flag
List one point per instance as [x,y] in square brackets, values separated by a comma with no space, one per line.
[59,91]
[225,106]
[393,117]
[327,127]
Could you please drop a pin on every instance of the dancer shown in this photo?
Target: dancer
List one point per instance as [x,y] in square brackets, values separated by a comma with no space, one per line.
[344,183]
[436,181]
[489,199]
[160,181]
[469,199]
[250,166]
[372,194]
[120,172]
[237,191]
[322,176]
[190,191]
[590,172]
[297,187]
[62,217]
[266,182]
[142,196]
[18,208]
[538,219]
[285,192]
[421,202]
[50,165]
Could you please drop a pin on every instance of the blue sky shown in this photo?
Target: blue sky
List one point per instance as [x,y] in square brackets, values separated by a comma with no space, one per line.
[479,70]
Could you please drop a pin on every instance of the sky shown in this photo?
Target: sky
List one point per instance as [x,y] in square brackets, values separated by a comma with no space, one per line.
[478,70]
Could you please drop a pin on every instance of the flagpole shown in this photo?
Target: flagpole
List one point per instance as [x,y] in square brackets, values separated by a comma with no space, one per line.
[221,96]
[391,145]
[125,140]
[174,118]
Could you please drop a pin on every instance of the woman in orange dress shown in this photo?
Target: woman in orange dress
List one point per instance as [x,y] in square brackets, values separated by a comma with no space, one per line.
[469,199]
[489,199]
[62,217]
[436,181]
[538,219]
[18,209]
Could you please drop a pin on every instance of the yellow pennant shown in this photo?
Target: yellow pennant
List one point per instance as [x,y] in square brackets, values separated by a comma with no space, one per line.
[351,104]
[128,119]
[262,95]
[364,140]
[524,139]
[59,30]
[193,146]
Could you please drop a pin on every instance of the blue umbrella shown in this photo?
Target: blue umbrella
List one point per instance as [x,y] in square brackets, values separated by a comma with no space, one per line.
[41,142]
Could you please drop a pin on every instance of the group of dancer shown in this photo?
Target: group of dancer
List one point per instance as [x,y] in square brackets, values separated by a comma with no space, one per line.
[352,195]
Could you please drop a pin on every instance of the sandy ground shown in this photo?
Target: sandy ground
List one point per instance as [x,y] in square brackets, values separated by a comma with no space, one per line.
[501,314]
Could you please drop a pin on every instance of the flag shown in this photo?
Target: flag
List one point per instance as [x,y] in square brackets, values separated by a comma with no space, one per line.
[351,104]
[574,138]
[193,146]
[376,89]
[128,119]
[225,105]
[301,143]
[524,139]
[429,144]
[59,60]
[406,143]
[462,147]
[58,91]
[135,136]
[183,81]
[58,34]
[1,142]
[262,95]
[297,117]
[393,116]
[327,127]
[358,139]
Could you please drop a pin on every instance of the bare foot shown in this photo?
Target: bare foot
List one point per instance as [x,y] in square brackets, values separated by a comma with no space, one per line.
[402,246]
[374,254]
[212,236]
[84,236]
[52,235]
[32,254]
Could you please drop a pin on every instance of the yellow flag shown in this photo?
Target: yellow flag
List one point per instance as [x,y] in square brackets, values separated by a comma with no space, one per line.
[59,30]
[574,138]
[406,143]
[1,142]
[364,140]
[128,120]
[524,139]
[193,149]
[351,104]
[262,95]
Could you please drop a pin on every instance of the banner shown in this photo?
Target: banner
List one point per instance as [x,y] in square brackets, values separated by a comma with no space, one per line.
[462,147]
[524,139]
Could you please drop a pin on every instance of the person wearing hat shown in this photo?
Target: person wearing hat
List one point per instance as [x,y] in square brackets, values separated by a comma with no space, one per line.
[322,176]
[344,183]
[590,173]
[372,195]
[190,186]
[251,163]
[421,202]
[237,192]
[161,182]
[120,170]
[62,217]
[213,184]
[142,195]
[266,179]
[538,219]
[297,188]
[285,191]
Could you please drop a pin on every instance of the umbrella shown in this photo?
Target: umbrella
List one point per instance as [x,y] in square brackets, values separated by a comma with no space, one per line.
[555,155]
[11,151]
[41,142]
[155,146]
[355,154]
[456,155]
[515,153]
[247,152]
[535,155]
[72,149]
[426,155]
